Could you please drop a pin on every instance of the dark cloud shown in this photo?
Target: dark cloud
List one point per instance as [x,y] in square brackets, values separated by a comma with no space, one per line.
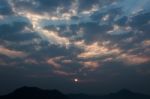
[137,22]
[13,31]
[12,28]
[41,6]
[87,4]
[5,8]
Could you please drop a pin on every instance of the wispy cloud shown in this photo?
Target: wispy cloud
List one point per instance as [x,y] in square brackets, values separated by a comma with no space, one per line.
[12,53]
[91,65]
[134,59]
[97,50]
[63,73]
[54,62]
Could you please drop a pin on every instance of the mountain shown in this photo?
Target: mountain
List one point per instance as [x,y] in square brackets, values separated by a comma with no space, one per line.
[126,94]
[122,94]
[37,93]
[34,93]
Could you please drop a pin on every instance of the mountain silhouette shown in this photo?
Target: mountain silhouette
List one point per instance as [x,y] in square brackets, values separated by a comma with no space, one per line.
[126,94]
[122,94]
[37,93]
[34,93]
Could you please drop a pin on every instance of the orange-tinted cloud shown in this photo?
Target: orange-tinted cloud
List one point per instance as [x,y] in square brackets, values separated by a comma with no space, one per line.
[97,50]
[134,59]
[67,61]
[12,53]
[54,62]
[92,65]
[63,73]
[146,43]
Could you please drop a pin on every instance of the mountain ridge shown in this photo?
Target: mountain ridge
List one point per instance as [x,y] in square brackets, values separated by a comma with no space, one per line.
[37,93]
[34,93]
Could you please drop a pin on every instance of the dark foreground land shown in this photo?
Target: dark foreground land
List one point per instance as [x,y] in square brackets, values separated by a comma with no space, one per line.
[37,93]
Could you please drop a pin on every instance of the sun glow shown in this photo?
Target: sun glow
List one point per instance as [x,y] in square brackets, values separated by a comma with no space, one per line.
[76,80]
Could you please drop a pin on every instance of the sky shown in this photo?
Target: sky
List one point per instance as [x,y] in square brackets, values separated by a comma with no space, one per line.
[75,46]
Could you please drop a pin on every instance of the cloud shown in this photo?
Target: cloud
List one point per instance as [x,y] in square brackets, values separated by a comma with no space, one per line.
[31,61]
[63,73]
[117,30]
[90,10]
[12,53]
[5,8]
[67,61]
[134,6]
[146,43]
[85,32]
[134,59]
[92,65]
[55,62]
[75,39]
[13,24]
[97,50]
[52,36]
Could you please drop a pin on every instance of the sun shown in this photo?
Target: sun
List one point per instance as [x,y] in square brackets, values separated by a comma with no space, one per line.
[76,80]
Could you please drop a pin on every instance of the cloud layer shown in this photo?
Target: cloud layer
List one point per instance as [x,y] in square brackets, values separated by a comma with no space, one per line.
[75,38]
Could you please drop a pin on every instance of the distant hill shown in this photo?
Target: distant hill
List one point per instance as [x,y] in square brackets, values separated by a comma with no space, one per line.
[34,93]
[122,94]
[37,93]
